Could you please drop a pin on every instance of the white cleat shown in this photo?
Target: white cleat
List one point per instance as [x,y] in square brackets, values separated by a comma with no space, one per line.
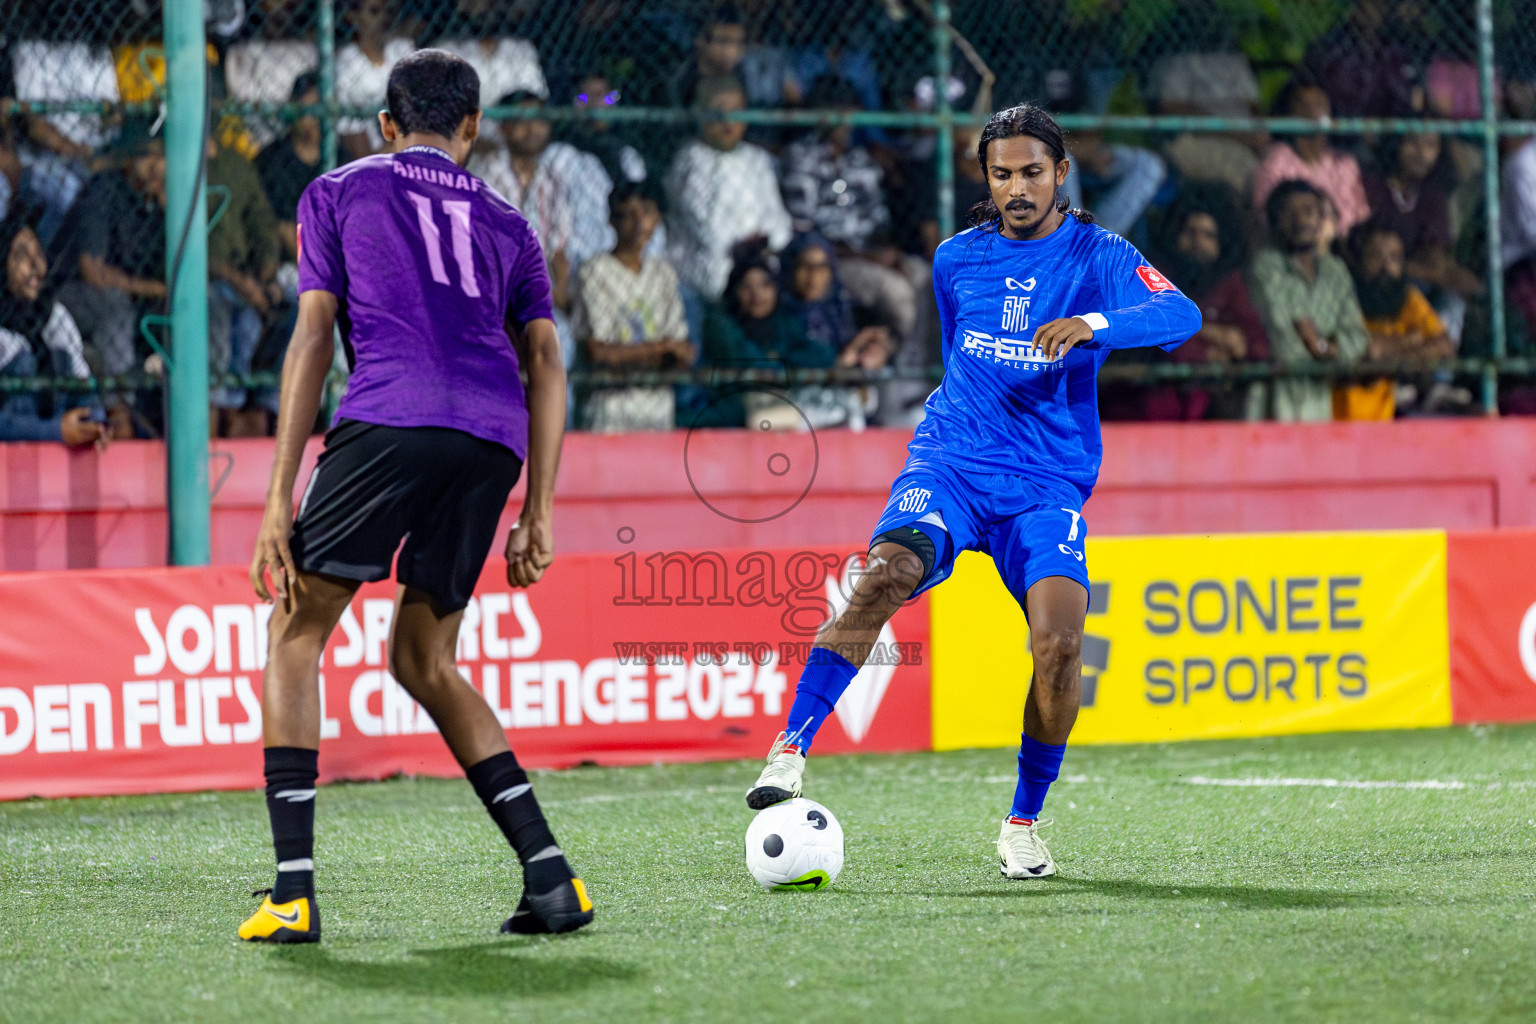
[780,780]
[1023,853]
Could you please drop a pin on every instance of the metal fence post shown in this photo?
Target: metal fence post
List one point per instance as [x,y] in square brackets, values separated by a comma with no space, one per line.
[325,28]
[944,150]
[186,231]
[1496,325]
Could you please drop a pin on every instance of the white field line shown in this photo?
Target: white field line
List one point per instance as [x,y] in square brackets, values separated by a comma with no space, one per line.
[1201,780]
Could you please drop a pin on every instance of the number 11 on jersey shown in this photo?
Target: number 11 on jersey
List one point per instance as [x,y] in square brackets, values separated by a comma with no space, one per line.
[463,243]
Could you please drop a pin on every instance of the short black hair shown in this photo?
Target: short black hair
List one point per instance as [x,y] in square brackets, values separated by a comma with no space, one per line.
[1274,206]
[1302,78]
[721,14]
[432,91]
[1360,238]
[303,84]
[626,190]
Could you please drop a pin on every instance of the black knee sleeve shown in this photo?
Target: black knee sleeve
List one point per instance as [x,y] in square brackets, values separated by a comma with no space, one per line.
[914,540]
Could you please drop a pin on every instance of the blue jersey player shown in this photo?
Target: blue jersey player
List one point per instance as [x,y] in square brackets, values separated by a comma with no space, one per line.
[1032,298]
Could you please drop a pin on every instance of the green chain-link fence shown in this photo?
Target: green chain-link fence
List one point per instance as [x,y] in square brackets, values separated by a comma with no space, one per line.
[856,122]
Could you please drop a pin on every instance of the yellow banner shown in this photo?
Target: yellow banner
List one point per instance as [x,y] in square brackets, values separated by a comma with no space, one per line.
[1210,637]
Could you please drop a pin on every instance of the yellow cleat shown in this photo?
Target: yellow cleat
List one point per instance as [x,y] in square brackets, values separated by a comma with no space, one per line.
[296,921]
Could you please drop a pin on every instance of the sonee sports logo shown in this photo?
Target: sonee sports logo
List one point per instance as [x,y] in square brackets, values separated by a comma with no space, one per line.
[914,499]
[1095,648]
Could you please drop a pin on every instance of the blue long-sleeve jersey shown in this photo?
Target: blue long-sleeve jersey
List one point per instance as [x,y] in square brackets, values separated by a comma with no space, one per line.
[1004,409]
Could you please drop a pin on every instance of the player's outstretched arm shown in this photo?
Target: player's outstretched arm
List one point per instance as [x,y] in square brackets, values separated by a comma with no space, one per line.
[531,544]
[304,369]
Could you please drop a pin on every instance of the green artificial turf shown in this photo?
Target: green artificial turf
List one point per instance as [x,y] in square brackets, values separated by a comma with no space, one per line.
[1176,901]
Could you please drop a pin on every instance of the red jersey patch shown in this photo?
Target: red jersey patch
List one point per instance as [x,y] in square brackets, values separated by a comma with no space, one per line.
[1154,281]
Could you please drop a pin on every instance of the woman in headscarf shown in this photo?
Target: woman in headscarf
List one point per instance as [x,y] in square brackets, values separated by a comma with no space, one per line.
[751,329]
[38,338]
[813,292]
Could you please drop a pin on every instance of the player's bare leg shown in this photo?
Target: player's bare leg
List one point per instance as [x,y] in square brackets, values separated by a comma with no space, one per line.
[843,645]
[290,712]
[421,650]
[1058,607]
[296,636]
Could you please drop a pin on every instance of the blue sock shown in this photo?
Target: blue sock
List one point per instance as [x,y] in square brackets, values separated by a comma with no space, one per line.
[827,674]
[1039,764]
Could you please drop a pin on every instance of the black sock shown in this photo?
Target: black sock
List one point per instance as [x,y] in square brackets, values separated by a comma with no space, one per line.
[291,775]
[503,787]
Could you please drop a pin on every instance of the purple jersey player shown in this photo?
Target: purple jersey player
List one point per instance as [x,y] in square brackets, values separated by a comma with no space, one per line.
[441,295]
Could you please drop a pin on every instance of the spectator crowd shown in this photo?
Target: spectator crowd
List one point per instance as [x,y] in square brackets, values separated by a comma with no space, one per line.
[709,243]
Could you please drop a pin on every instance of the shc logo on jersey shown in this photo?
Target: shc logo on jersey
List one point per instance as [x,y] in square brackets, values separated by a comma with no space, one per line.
[1154,281]
[1015,352]
[914,499]
[1015,313]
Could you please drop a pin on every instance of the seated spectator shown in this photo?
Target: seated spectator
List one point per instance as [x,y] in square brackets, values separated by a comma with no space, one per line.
[1306,299]
[629,315]
[836,188]
[110,255]
[600,136]
[483,35]
[1217,83]
[1115,182]
[243,254]
[1311,159]
[920,192]
[813,292]
[720,190]
[61,150]
[1399,322]
[264,68]
[560,189]
[1408,196]
[362,72]
[718,49]
[750,328]
[288,164]
[38,337]
[1201,251]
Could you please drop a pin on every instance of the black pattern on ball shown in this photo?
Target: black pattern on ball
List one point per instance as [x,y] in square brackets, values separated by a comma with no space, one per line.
[773,845]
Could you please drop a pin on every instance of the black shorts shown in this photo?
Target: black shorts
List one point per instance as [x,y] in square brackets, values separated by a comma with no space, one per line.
[440,490]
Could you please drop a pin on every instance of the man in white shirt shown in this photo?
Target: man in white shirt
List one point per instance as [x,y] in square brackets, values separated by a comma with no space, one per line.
[721,190]
[561,190]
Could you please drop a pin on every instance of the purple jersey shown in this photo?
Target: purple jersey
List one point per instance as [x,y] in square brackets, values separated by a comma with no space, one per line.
[427,263]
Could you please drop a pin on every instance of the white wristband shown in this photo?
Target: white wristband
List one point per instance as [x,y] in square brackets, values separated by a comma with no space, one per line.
[1095,321]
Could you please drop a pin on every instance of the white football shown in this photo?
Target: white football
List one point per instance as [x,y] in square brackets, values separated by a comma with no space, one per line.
[795,846]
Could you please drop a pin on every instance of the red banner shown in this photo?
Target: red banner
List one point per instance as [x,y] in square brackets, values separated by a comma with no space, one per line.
[1492,607]
[137,681]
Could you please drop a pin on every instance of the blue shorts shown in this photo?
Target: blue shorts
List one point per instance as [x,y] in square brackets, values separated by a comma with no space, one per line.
[1031,528]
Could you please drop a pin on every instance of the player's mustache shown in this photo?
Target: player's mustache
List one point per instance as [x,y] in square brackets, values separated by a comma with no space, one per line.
[1019,206]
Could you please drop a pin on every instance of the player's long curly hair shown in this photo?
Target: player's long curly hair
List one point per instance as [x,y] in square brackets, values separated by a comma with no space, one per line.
[1024,119]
